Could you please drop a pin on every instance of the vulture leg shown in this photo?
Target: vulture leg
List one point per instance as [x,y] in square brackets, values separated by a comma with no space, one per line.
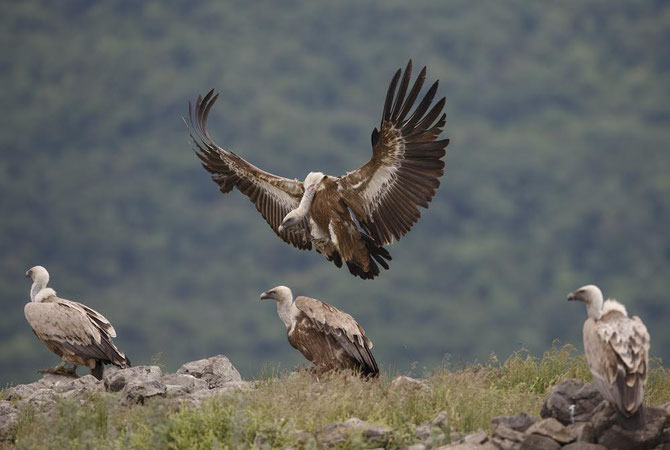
[60,369]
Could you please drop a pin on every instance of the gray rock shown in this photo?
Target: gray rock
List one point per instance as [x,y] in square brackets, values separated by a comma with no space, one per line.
[422,432]
[520,422]
[199,396]
[181,383]
[138,391]
[584,446]
[506,433]
[20,391]
[583,431]
[440,421]
[416,447]
[436,438]
[465,446]
[553,429]
[408,384]
[9,419]
[216,370]
[571,401]
[477,438]
[40,400]
[644,430]
[338,432]
[537,442]
[117,380]
[79,386]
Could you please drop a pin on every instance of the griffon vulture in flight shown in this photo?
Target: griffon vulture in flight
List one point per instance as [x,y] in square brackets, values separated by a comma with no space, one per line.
[75,332]
[326,336]
[349,218]
[616,348]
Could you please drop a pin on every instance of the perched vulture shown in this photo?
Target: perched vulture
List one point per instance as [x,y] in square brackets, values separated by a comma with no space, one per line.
[616,348]
[75,332]
[349,218]
[326,336]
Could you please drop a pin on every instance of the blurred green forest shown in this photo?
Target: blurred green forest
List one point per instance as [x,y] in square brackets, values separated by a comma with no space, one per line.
[558,172]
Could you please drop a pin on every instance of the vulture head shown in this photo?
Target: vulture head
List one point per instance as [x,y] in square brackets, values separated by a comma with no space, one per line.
[592,296]
[291,220]
[279,293]
[38,274]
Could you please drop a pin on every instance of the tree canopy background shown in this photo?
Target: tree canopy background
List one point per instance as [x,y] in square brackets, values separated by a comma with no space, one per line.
[557,173]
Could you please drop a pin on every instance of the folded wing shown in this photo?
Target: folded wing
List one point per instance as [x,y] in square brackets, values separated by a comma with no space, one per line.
[406,164]
[273,196]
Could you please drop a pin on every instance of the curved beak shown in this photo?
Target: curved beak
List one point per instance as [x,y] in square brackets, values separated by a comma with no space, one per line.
[571,297]
[280,228]
[265,296]
[28,274]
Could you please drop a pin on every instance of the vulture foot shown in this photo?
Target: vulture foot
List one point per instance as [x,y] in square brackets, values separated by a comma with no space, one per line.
[60,369]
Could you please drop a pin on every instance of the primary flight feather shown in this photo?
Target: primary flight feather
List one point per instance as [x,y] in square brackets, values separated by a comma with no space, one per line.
[350,218]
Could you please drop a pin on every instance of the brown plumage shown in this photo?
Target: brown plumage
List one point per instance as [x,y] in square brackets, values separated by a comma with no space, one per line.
[616,349]
[326,336]
[71,330]
[350,218]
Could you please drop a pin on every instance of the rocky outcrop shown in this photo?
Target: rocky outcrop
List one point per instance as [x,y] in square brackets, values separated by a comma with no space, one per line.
[193,383]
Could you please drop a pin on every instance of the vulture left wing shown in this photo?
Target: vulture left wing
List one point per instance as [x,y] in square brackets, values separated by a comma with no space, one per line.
[273,196]
[341,326]
[406,164]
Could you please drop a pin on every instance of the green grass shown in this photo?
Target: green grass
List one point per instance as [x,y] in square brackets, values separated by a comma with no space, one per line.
[281,405]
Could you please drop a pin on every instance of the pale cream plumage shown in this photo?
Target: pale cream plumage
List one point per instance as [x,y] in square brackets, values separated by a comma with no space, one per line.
[616,348]
[73,331]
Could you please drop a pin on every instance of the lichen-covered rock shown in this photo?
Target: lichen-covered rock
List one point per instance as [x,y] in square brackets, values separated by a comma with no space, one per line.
[9,419]
[117,380]
[79,386]
[216,371]
[40,399]
[338,432]
[138,391]
[571,401]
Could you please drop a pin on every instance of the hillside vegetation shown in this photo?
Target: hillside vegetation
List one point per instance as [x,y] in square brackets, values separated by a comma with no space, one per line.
[282,405]
[556,175]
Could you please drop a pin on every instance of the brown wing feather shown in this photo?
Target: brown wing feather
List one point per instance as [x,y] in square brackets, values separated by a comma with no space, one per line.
[273,196]
[406,164]
[64,324]
[335,334]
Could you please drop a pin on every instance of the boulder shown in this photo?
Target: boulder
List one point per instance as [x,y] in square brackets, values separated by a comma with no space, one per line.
[583,431]
[216,371]
[117,380]
[584,446]
[538,442]
[571,401]
[181,383]
[9,419]
[506,433]
[87,384]
[338,432]
[520,422]
[440,421]
[553,429]
[644,430]
[138,391]
[40,399]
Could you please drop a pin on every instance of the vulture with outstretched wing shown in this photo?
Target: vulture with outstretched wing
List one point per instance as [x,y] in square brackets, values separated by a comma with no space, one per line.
[350,218]
[326,336]
[78,334]
[616,348]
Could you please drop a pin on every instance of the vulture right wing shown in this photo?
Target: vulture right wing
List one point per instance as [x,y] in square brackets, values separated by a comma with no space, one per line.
[273,196]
